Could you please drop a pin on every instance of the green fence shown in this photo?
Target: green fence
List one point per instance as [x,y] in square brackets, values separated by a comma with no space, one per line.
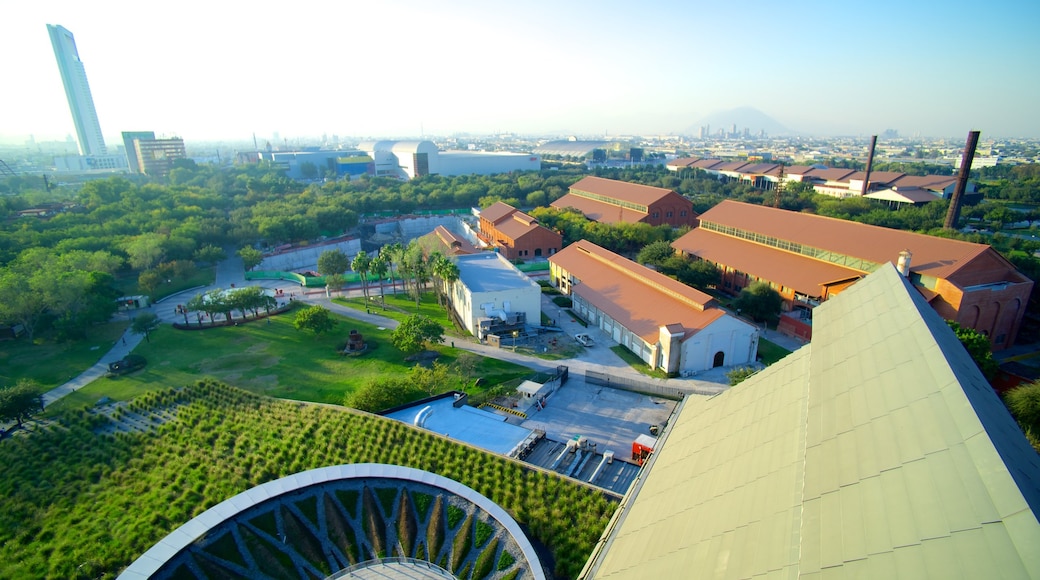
[305,281]
[529,267]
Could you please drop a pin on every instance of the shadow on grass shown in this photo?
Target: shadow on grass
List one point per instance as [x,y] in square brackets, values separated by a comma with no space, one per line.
[638,363]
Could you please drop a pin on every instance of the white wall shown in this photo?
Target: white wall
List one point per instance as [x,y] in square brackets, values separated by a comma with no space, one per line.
[737,339]
[524,299]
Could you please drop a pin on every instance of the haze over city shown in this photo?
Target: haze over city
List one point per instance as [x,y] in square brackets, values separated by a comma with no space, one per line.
[216,70]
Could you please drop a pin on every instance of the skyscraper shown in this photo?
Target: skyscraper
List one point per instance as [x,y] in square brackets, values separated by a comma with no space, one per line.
[74,77]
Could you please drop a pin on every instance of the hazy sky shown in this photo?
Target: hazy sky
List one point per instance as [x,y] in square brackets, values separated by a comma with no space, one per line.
[228,69]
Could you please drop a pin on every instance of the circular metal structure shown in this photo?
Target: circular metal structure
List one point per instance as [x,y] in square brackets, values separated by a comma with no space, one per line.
[343,519]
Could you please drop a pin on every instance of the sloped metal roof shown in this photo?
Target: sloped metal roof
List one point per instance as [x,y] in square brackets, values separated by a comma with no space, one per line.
[876,451]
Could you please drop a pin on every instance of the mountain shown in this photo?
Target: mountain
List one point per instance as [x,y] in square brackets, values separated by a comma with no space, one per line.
[748,117]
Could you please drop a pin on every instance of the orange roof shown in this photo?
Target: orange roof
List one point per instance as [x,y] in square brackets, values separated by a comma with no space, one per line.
[453,245]
[931,256]
[683,162]
[637,297]
[837,174]
[621,190]
[497,211]
[517,225]
[930,182]
[803,274]
[598,210]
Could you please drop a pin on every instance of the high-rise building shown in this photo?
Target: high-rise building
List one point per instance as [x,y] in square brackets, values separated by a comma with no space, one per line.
[155,157]
[131,150]
[74,77]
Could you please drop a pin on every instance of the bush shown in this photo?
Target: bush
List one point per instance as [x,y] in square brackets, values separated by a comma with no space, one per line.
[563,301]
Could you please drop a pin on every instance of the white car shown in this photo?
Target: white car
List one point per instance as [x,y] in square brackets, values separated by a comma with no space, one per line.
[584,339]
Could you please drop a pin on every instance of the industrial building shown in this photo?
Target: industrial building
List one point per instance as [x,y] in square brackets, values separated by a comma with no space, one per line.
[300,164]
[892,186]
[411,159]
[669,325]
[516,235]
[809,258]
[492,296]
[611,201]
[877,451]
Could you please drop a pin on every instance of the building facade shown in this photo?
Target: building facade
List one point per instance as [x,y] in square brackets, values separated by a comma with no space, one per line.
[611,201]
[516,235]
[155,157]
[77,91]
[493,294]
[667,324]
[131,150]
[809,258]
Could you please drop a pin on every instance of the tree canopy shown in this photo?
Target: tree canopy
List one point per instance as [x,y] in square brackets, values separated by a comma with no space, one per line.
[412,335]
[20,401]
[759,302]
[316,319]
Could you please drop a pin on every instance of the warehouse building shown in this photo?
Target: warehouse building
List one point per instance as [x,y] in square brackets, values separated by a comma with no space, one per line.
[492,296]
[516,235]
[611,201]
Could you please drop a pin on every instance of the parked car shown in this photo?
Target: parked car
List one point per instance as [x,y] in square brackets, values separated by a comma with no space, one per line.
[584,339]
[131,363]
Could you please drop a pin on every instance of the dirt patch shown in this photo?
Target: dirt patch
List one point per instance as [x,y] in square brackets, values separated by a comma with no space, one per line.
[424,358]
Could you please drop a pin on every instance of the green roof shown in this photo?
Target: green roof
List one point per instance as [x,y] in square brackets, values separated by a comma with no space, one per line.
[878,450]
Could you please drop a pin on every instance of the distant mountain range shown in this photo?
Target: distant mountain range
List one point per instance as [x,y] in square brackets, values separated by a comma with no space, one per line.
[743,117]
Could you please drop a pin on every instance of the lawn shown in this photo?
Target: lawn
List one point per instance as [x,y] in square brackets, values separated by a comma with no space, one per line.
[278,361]
[400,307]
[638,363]
[51,363]
[770,352]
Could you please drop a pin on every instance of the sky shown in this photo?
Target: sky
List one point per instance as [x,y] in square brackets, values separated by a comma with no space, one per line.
[226,70]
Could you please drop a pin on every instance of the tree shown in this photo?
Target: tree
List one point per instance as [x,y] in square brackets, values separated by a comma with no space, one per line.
[978,347]
[737,375]
[20,401]
[23,303]
[144,323]
[655,253]
[145,251]
[447,273]
[316,319]
[759,301]
[334,282]
[333,262]
[412,335]
[1024,403]
[379,267]
[394,256]
[362,264]
[210,254]
[251,257]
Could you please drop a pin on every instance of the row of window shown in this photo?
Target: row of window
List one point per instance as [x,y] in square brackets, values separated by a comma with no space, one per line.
[817,253]
[610,200]
[669,214]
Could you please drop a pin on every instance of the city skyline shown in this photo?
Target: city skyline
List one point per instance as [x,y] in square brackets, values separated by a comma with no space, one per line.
[405,69]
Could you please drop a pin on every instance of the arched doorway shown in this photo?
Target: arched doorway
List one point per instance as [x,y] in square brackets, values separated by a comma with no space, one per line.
[720,358]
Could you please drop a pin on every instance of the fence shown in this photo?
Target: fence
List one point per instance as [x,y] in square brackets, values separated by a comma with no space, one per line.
[672,390]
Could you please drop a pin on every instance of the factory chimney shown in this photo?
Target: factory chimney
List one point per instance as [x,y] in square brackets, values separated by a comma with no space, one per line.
[954,213]
[870,165]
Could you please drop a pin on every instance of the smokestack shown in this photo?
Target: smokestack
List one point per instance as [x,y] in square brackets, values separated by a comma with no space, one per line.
[954,213]
[870,165]
[903,265]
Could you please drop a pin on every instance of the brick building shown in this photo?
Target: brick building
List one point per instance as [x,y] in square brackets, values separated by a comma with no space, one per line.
[516,235]
[611,201]
[809,258]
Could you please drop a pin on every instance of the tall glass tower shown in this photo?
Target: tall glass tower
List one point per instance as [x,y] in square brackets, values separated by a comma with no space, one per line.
[74,77]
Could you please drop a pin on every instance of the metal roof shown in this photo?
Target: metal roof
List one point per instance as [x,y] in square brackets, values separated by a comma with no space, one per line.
[876,451]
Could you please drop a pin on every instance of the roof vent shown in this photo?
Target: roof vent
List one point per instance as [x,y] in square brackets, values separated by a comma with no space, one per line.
[903,265]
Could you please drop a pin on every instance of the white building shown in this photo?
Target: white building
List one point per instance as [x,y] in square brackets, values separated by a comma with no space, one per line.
[491,292]
[669,325]
[411,159]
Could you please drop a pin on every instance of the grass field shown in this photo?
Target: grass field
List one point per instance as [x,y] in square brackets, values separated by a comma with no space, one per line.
[638,363]
[52,363]
[277,360]
[400,307]
[770,352]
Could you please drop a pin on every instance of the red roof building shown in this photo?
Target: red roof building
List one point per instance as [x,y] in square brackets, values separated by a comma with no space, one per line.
[516,235]
[809,258]
[668,324]
[611,201]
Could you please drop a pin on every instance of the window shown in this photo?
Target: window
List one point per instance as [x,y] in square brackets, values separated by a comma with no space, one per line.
[657,214]
[668,214]
[682,213]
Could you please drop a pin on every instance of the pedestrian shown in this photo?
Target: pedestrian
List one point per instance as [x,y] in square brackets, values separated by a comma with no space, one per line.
[124,341]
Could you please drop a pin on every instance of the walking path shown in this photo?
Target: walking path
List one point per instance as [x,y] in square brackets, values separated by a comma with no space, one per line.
[230,273]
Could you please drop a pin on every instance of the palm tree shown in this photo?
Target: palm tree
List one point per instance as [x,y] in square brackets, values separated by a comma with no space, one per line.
[448,272]
[394,256]
[379,267]
[362,264]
